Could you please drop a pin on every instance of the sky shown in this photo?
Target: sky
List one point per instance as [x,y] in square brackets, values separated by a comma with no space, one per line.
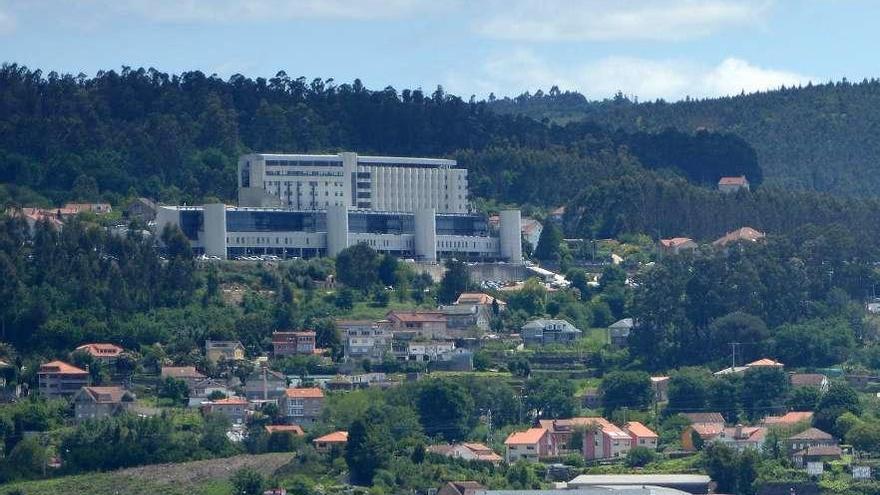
[649,49]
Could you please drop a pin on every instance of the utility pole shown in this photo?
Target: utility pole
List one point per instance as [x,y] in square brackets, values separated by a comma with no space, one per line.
[489,426]
[733,356]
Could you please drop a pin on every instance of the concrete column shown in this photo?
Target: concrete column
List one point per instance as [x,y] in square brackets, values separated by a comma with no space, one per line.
[511,236]
[349,181]
[214,239]
[337,229]
[425,234]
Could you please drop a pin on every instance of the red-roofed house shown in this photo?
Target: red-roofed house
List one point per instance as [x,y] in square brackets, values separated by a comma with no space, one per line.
[59,379]
[105,353]
[234,408]
[641,435]
[529,445]
[601,438]
[705,426]
[326,443]
[789,419]
[302,406]
[733,184]
[814,380]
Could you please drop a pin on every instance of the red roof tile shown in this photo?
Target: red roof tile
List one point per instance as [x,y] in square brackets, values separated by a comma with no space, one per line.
[639,430]
[528,437]
[304,393]
[61,367]
[335,437]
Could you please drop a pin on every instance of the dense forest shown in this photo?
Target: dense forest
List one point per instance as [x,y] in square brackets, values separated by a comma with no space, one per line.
[818,137]
[176,137]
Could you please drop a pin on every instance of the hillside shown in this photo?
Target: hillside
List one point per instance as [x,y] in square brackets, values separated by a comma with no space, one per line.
[818,137]
[177,137]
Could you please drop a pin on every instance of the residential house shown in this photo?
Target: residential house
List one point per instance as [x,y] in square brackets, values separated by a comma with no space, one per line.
[789,419]
[601,439]
[466,451]
[365,339]
[293,343]
[292,429]
[733,184]
[361,381]
[813,380]
[465,320]
[545,331]
[143,209]
[818,453]
[33,216]
[705,426]
[481,299]
[202,389]
[531,231]
[101,402]
[302,406]
[234,408]
[188,374]
[743,234]
[529,445]
[760,363]
[618,332]
[676,245]
[641,435]
[228,350]
[406,350]
[742,437]
[425,324]
[660,386]
[59,379]
[265,384]
[97,208]
[105,354]
[812,437]
[460,488]
[327,442]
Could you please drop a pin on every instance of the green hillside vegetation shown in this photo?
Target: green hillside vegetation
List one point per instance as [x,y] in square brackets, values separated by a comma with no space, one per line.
[817,137]
[177,137]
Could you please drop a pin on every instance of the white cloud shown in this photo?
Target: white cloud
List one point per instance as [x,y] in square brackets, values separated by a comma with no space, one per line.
[7,23]
[205,11]
[670,79]
[611,20]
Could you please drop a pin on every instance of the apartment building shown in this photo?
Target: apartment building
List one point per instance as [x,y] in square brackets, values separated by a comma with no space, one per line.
[293,343]
[59,379]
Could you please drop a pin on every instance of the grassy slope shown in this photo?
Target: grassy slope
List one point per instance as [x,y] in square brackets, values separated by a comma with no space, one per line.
[209,477]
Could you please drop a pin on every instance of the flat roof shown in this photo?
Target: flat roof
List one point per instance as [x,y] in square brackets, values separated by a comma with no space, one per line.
[639,479]
[403,160]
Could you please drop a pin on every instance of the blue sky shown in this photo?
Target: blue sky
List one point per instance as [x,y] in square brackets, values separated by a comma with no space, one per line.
[647,48]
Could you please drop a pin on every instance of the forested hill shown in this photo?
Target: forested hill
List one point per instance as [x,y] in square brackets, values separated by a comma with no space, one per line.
[821,137]
[176,137]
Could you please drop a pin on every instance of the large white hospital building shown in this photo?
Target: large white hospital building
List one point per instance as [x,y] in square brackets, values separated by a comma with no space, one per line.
[382,183]
[317,205]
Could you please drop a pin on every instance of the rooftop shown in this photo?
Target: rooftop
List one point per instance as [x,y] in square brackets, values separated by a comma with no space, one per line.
[304,393]
[807,379]
[477,298]
[335,437]
[639,430]
[417,316]
[181,372]
[295,429]
[741,234]
[812,434]
[101,350]
[733,181]
[821,450]
[766,362]
[61,367]
[707,417]
[789,418]
[106,395]
[528,437]
[675,241]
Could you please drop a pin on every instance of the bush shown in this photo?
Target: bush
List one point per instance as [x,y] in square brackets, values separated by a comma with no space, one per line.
[248,482]
[640,457]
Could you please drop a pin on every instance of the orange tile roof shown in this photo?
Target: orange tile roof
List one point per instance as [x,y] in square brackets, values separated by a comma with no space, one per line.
[335,437]
[528,437]
[101,350]
[304,393]
[295,429]
[477,298]
[766,362]
[707,430]
[741,234]
[733,181]
[713,417]
[229,401]
[789,418]
[639,430]
[61,367]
